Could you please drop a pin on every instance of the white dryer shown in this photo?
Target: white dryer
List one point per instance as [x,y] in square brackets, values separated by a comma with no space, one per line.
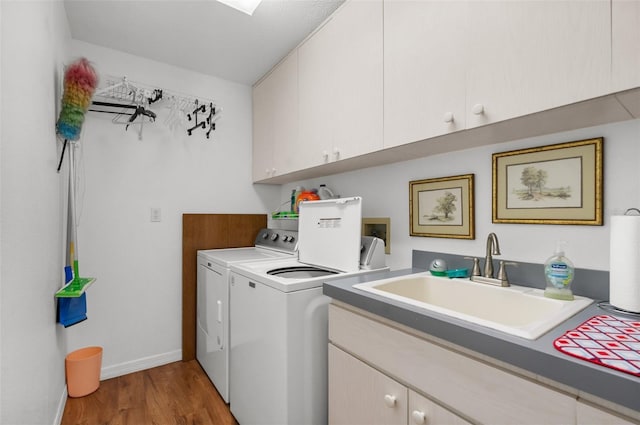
[212,333]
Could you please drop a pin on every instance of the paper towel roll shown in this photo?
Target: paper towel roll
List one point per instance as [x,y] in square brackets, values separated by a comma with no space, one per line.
[624,263]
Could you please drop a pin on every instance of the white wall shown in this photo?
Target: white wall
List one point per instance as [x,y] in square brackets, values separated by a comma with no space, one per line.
[134,308]
[34,38]
[385,192]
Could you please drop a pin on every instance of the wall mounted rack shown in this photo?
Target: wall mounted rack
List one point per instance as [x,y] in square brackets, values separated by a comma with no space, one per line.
[133,104]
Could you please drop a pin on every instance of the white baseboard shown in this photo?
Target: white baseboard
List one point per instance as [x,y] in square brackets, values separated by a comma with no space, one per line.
[140,364]
[61,404]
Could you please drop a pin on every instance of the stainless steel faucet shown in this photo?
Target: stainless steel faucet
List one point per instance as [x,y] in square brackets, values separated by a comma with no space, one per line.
[493,248]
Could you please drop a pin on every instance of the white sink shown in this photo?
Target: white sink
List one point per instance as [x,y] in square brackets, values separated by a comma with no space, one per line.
[516,310]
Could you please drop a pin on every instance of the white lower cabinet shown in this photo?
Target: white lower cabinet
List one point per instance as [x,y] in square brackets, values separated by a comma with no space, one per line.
[369,359]
[360,394]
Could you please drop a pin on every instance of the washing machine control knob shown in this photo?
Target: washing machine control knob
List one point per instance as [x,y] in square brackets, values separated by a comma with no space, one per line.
[291,239]
[274,237]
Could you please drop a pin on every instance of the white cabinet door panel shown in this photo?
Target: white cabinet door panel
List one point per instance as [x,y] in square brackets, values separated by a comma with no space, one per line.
[530,56]
[358,82]
[423,411]
[425,58]
[275,120]
[262,131]
[625,21]
[359,394]
[340,86]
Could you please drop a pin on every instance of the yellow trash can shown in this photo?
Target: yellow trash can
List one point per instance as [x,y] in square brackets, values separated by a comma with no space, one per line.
[83,371]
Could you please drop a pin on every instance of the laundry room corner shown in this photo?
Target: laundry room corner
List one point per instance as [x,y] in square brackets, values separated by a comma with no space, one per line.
[135,187]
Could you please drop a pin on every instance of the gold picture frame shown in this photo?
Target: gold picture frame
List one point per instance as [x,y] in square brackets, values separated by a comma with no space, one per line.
[554,184]
[442,207]
[380,227]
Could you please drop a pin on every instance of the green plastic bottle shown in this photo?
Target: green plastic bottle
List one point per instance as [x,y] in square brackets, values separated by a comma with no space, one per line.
[558,271]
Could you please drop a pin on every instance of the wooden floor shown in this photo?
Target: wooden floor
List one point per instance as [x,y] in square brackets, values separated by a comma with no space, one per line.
[177,393]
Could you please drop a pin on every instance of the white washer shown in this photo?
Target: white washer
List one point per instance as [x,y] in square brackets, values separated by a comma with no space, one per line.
[212,324]
[278,370]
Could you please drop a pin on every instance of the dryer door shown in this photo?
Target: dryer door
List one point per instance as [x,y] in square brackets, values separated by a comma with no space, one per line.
[210,306]
[212,329]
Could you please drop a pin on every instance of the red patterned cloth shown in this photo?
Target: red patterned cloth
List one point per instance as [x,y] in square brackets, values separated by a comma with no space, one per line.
[605,340]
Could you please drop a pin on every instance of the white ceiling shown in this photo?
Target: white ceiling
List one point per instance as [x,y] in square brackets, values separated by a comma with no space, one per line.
[200,35]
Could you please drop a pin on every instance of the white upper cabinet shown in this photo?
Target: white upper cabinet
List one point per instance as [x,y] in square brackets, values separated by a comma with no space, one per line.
[275,120]
[340,86]
[626,44]
[531,56]
[384,73]
[425,55]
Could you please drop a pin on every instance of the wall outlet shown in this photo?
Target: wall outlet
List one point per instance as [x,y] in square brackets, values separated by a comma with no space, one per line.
[156,214]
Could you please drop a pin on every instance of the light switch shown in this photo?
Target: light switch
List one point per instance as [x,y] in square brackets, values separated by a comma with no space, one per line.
[156,214]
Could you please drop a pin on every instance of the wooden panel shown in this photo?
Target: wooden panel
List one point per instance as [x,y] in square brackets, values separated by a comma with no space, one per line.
[209,231]
[487,394]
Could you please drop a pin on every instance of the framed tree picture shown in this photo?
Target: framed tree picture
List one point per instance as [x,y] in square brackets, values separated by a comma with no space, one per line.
[442,207]
[554,184]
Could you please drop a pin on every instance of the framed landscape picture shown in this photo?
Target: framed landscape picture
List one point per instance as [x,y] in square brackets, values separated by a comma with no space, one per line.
[442,207]
[555,184]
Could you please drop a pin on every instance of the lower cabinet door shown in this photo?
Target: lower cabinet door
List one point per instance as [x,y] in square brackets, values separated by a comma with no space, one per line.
[359,394]
[423,411]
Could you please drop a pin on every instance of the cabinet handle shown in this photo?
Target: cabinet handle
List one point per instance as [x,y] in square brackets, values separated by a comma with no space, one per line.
[448,117]
[336,153]
[478,109]
[390,400]
[418,417]
[325,155]
[273,172]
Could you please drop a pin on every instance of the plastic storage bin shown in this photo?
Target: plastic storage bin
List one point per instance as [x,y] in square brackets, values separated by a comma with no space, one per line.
[83,371]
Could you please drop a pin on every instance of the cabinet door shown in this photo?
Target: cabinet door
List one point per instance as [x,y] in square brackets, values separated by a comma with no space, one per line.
[340,86]
[359,394]
[212,326]
[625,21]
[358,81]
[262,161]
[275,120]
[424,69]
[423,411]
[530,56]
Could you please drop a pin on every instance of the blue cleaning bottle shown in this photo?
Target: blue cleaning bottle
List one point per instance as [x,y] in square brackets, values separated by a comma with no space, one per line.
[558,271]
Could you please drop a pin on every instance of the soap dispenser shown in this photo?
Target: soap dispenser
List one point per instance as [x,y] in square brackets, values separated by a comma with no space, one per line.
[558,271]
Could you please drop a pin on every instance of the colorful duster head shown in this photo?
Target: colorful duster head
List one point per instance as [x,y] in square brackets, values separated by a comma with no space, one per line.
[80,82]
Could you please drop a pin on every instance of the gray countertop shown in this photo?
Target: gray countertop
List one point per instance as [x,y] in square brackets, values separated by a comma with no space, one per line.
[538,356]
